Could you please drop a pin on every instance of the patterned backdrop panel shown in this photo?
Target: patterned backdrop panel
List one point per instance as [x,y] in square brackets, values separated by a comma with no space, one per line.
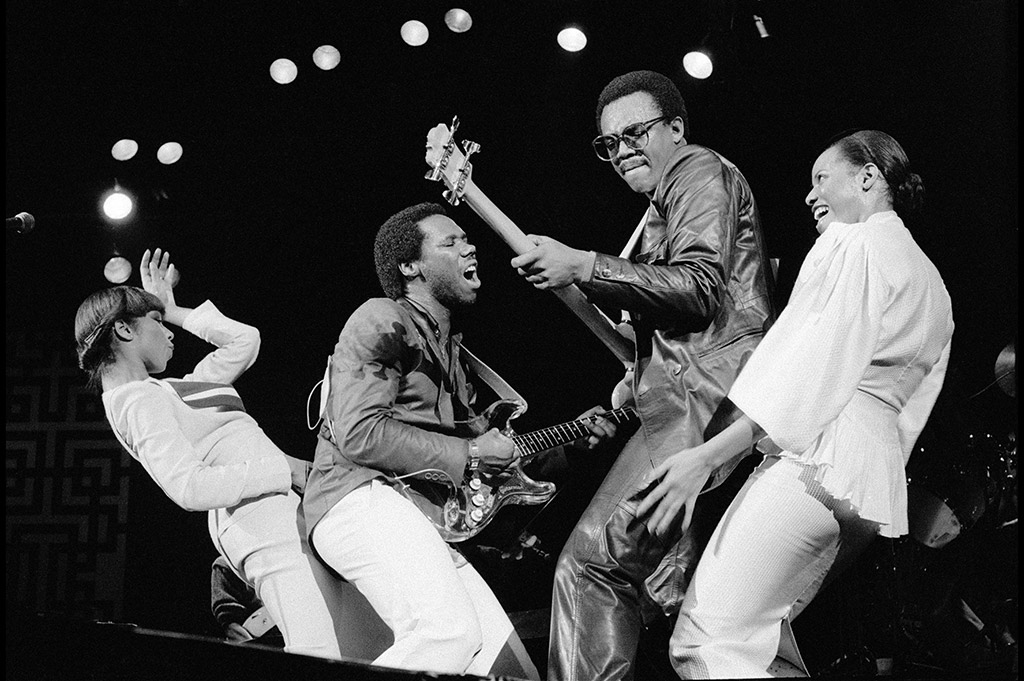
[67,486]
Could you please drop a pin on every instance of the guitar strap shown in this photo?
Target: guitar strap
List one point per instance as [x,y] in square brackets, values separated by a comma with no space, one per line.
[630,247]
[485,373]
[635,237]
[489,376]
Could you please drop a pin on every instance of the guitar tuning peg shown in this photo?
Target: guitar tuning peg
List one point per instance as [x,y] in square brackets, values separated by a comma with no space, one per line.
[470,147]
[451,197]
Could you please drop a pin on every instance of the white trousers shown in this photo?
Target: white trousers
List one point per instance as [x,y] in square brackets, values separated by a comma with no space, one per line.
[444,617]
[771,550]
[264,542]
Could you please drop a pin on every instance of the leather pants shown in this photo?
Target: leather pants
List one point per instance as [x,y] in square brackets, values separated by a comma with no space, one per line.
[609,572]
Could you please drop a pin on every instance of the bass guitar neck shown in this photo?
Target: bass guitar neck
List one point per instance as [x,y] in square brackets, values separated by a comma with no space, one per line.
[450,165]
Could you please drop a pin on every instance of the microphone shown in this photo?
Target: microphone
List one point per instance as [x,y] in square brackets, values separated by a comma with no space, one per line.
[21,223]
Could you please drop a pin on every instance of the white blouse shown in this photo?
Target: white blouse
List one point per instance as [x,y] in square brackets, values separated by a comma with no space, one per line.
[846,378]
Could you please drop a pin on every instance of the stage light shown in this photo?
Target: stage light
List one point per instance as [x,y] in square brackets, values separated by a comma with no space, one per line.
[572,39]
[168,153]
[283,71]
[117,270]
[117,205]
[327,57]
[761,30]
[414,33]
[458,20]
[124,149]
[698,64]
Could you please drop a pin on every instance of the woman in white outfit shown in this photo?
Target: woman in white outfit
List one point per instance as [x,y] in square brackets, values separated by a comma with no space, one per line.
[842,384]
[195,440]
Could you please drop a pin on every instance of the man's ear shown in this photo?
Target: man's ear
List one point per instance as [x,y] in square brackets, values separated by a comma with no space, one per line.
[123,331]
[678,130]
[869,175]
[410,270]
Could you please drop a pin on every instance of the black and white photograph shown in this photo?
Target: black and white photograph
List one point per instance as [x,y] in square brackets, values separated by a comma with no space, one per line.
[579,340]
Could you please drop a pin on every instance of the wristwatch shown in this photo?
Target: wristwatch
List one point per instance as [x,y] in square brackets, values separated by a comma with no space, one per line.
[473,462]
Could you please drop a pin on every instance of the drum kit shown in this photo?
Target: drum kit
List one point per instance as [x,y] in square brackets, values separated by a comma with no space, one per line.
[960,609]
[945,502]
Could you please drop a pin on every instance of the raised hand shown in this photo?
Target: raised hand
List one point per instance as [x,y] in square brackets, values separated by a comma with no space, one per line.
[159,277]
[552,264]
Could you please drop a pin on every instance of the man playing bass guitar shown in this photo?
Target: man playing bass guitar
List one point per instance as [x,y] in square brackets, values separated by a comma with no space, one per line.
[697,286]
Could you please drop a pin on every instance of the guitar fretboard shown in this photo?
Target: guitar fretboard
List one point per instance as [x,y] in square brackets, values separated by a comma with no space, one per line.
[546,438]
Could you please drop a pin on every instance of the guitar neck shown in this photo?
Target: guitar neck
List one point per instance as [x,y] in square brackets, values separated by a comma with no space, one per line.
[572,296]
[530,444]
[496,218]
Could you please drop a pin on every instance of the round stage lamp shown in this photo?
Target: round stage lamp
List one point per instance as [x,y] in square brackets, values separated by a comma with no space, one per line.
[124,149]
[414,33]
[326,57]
[572,39]
[698,65]
[458,20]
[168,153]
[117,205]
[283,71]
[117,270]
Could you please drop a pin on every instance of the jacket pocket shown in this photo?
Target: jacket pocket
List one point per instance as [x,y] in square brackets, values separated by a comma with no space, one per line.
[729,343]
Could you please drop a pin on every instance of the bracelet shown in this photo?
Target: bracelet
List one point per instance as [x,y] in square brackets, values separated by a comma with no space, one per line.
[473,462]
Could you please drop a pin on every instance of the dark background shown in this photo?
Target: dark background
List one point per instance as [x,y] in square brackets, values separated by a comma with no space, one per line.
[272,209]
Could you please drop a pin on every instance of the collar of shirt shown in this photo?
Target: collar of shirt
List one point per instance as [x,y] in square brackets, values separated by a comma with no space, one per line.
[443,350]
[426,322]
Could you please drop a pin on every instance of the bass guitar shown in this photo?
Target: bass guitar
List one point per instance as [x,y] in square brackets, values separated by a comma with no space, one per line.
[460,511]
[451,165]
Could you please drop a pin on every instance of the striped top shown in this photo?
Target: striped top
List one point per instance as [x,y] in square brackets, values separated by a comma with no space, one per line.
[192,435]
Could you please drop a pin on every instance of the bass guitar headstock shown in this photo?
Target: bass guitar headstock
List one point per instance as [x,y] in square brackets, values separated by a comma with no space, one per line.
[448,163]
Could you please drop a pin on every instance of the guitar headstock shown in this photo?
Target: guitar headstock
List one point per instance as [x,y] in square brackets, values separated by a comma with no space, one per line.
[448,163]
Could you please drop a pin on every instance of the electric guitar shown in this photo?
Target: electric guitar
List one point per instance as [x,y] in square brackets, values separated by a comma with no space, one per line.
[450,165]
[461,511]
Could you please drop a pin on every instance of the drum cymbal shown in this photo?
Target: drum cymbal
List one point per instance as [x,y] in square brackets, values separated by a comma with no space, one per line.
[1006,369]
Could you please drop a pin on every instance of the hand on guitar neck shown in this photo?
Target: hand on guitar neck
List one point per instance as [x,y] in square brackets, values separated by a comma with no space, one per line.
[600,428]
[552,264]
[544,262]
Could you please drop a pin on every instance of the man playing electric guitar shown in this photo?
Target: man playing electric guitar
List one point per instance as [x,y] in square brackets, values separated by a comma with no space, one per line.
[398,387]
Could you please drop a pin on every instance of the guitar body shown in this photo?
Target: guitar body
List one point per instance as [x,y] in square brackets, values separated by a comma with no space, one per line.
[461,511]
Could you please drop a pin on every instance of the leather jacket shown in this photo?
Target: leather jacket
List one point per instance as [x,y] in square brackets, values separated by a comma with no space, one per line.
[699,291]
